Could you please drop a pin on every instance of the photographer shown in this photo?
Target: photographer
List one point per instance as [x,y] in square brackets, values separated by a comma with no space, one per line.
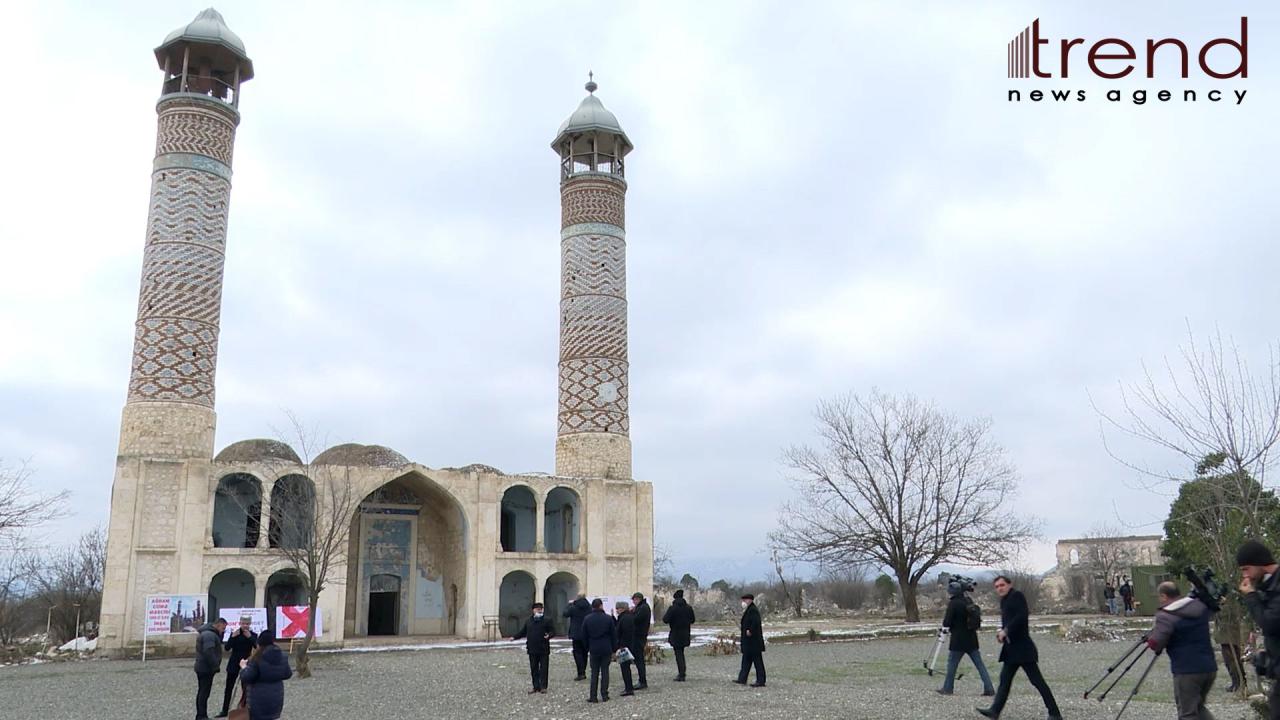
[1182,629]
[1261,589]
[964,638]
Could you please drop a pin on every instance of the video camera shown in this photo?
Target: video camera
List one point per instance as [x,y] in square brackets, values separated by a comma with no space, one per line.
[964,584]
[1205,588]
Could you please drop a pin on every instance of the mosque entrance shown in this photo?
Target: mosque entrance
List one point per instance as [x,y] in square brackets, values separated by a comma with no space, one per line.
[384,605]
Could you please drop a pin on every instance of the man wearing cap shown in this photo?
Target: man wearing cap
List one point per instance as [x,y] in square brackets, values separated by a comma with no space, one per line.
[241,644]
[577,611]
[644,618]
[600,634]
[752,642]
[679,617]
[537,633]
[1260,586]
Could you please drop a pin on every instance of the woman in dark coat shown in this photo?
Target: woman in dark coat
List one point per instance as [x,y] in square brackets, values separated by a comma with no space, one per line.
[679,617]
[264,675]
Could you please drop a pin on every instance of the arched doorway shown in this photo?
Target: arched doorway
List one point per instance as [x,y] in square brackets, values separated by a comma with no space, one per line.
[284,587]
[518,531]
[234,588]
[561,520]
[237,511]
[515,597]
[560,590]
[407,558]
[293,499]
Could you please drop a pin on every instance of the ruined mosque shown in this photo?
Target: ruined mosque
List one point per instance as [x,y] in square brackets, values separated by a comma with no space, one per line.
[451,552]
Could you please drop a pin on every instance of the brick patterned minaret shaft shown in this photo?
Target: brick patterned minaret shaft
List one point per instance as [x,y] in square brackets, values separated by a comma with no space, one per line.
[594,423]
[160,494]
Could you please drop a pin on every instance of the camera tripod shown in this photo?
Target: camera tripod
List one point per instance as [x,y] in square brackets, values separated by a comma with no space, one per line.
[1141,643]
[931,663]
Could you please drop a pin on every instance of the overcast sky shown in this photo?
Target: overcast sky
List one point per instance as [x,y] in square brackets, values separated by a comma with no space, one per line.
[824,198]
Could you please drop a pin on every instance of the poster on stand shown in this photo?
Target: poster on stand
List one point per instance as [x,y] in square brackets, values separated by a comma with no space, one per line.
[167,614]
[257,619]
[292,620]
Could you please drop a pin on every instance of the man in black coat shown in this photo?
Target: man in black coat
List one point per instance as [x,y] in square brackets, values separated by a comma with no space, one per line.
[679,617]
[1018,650]
[537,633]
[241,644]
[600,634]
[208,660]
[752,642]
[1260,586]
[577,612]
[629,638]
[964,641]
[644,619]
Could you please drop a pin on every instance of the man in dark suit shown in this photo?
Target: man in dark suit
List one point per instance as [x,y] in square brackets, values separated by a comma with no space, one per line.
[577,611]
[627,638]
[752,642]
[679,617]
[600,634]
[1017,651]
[537,633]
[241,644]
[644,618]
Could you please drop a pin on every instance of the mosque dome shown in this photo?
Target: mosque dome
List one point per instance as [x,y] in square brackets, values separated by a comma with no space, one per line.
[357,455]
[259,450]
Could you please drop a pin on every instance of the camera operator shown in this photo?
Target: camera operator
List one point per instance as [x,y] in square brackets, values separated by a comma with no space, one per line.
[1182,629]
[1261,589]
[959,620]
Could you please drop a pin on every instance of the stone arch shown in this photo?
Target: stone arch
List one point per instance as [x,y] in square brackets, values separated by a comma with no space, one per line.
[412,528]
[231,588]
[284,587]
[516,595]
[293,502]
[237,511]
[560,589]
[518,524]
[562,520]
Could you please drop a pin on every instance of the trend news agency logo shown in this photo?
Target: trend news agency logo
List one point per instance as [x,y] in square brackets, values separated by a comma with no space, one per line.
[1031,54]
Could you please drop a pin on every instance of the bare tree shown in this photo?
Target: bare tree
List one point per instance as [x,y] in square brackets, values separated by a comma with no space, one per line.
[662,565]
[15,596]
[900,484]
[793,593]
[313,535]
[21,507]
[69,581]
[1104,557]
[1206,403]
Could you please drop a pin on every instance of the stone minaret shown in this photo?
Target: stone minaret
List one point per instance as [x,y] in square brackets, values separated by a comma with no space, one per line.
[160,496]
[594,425]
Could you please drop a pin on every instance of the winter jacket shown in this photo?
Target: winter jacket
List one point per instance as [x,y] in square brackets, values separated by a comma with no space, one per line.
[957,620]
[599,632]
[1015,619]
[265,678]
[241,647]
[576,611]
[1126,590]
[208,650]
[752,639]
[1108,593]
[629,633]
[680,618]
[1264,607]
[644,619]
[1182,628]
[537,633]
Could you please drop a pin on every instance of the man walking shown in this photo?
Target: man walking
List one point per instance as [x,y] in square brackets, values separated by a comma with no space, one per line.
[577,612]
[644,618]
[1260,585]
[1182,628]
[1018,650]
[964,641]
[627,639]
[752,642]
[241,644]
[208,660]
[537,633]
[679,617]
[600,634]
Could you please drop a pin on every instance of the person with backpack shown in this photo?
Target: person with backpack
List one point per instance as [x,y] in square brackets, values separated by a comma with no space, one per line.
[263,676]
[1126,594]
[963,619]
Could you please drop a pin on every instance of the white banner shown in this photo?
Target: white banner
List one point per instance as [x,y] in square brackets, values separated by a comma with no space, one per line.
[291,621]
[257,622]
[166,614]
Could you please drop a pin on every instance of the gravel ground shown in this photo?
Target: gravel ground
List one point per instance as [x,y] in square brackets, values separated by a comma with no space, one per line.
[872,680]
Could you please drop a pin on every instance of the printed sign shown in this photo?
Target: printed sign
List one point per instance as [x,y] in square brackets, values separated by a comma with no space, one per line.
[175,613]
[257,622]
[292,620]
